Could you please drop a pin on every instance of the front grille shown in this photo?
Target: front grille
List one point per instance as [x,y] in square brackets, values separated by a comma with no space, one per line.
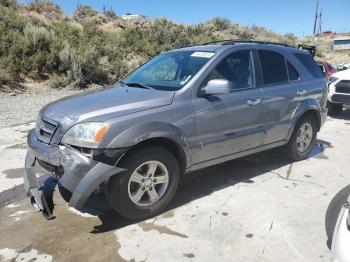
[45,129]
[343,87]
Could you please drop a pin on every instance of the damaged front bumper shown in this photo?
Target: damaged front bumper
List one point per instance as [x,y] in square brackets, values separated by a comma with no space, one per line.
[75,171]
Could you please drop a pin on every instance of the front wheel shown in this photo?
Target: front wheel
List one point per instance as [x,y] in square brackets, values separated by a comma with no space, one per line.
[147,186]
[334,109]
[303,138]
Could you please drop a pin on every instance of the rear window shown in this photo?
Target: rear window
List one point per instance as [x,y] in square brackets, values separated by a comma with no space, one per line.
[310,64]
[273,67]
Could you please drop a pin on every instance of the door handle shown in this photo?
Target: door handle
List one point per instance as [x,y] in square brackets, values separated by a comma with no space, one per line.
[254,102]
[301,92]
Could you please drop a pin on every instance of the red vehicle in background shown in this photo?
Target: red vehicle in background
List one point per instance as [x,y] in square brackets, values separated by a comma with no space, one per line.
[327,68]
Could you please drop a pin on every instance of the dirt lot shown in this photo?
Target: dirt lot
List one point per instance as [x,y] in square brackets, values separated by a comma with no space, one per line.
[258,208]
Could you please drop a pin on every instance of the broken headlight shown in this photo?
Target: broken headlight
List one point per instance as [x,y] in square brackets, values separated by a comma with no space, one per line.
[88,135]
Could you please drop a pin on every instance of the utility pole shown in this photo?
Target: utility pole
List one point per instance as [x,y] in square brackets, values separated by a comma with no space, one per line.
[320,25]
[315,23]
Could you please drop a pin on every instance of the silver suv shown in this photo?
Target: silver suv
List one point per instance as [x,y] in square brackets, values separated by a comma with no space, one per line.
[183,110]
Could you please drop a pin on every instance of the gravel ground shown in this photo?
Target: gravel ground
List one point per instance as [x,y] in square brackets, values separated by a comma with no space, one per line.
[258,208]
[23,108]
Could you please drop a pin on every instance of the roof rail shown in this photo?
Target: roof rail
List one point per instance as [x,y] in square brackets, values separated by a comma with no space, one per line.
[247,41]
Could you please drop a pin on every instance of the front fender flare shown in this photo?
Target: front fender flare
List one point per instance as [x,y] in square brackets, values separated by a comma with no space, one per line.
[146,131]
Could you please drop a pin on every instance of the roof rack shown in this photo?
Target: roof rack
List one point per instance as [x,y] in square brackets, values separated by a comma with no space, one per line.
[247,41]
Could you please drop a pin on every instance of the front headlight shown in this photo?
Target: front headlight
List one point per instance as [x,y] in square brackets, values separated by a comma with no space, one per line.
[332,79]
[86,134]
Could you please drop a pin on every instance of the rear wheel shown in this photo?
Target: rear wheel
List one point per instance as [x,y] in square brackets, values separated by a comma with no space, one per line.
[147,186]
[303,138]
[334,109]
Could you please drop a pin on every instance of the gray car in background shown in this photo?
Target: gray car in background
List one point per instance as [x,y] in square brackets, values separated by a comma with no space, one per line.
[183,110]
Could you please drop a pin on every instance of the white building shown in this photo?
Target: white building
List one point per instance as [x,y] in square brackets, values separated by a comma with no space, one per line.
[342,43]
[133,16]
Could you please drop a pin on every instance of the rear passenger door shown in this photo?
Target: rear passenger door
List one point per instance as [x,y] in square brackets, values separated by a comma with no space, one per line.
[283,91]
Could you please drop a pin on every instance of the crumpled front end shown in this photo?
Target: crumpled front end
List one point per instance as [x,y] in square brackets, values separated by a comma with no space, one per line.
[79,172]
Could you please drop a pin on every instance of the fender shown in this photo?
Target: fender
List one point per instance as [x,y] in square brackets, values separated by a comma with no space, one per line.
[146,131]
[304,106]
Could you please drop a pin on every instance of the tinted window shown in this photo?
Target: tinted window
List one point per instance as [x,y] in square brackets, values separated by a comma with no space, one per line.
[236,68]
[310,64]
[292,72]
[273,67]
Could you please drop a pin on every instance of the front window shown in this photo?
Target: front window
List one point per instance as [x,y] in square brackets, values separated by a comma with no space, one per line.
[170,71]
[237,68]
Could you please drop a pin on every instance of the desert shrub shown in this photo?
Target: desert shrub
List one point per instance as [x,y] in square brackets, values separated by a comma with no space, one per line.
[219,23]
[290,38]
[56,81]
[44,6]
[84,12]
[9,3]
[109,13]
[82,50]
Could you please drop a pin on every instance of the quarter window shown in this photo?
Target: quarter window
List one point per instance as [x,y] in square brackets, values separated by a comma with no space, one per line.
[292,72]
[273,67]
[236,68]
[310,64]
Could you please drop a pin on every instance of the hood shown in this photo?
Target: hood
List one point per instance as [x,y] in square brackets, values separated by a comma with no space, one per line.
[105,103]
[345,74]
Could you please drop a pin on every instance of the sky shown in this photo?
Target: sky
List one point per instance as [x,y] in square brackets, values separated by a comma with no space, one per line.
[282,16]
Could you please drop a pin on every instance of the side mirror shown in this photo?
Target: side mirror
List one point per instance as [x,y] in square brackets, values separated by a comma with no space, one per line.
[217,87]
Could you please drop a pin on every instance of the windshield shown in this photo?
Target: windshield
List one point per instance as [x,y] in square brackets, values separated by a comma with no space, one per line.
[170,71]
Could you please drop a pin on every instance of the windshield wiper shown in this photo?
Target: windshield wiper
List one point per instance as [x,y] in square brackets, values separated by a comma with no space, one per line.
[135,84]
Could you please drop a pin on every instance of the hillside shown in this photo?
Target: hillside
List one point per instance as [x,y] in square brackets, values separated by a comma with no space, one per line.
[41,44]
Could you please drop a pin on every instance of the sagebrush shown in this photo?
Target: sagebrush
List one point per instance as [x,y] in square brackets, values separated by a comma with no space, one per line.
[40,42]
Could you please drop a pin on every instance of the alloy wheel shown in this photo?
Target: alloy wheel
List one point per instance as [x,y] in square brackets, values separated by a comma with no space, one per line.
[304,137]
[148,183]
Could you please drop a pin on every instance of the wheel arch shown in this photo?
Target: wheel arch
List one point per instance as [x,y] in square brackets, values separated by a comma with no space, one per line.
[165,143]
[315,114]
[154,134]
[310,109]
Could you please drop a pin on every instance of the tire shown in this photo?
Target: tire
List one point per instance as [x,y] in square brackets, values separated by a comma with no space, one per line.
[121,190]
[333,210]
[292,149]
[334,109]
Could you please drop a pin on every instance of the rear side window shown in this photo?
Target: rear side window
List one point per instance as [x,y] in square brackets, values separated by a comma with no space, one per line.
[310,64]
[292,72]
[273,67]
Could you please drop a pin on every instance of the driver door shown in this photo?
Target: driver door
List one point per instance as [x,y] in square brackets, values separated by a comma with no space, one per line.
[234,122]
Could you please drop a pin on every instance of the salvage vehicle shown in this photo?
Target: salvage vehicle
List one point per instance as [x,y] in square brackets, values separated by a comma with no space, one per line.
[342,67]
[338,92]
[182,111]
[338,225]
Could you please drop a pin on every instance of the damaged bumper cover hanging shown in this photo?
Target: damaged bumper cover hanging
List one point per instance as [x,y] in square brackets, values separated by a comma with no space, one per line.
[79,174]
